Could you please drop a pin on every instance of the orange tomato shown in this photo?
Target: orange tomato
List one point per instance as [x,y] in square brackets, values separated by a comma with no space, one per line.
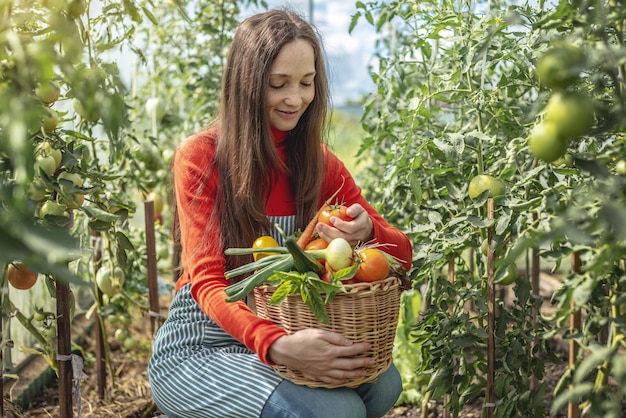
[20,276]
[373,265]
[316,244]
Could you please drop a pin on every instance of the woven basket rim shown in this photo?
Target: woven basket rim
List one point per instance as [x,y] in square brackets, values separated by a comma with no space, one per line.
[350,288]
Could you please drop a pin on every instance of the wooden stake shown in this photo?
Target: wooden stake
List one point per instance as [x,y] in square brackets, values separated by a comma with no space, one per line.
[64,344]
[491,307]
[3,294]
[573,409]
[96,243]
[446,399]
[536,291]
[153,286]
[64,349]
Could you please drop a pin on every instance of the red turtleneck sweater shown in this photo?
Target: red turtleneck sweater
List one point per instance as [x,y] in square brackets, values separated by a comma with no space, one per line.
[204,267]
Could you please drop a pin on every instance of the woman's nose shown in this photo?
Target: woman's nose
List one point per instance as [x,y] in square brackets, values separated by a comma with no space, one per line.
[294,97]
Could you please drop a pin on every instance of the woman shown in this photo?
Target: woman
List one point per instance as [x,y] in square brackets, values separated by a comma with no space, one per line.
[262,163]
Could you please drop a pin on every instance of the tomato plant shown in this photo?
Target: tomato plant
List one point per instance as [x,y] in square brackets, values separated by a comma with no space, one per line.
[373,265]
[491,103]
[331,210]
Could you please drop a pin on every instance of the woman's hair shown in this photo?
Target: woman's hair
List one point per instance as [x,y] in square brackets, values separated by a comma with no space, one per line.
[246,158]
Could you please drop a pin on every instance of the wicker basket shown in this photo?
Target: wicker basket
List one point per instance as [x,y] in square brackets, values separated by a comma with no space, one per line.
[366,312]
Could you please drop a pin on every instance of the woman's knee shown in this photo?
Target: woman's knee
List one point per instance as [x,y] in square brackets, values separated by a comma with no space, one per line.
[294,401]
[381,395]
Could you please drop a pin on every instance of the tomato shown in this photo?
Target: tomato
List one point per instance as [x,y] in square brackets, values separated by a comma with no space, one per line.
[76,201]
[571,113]
[620,167]
[317,244]
[39,315]
[264,241]
[506,276]
[50,331]
[130,343]
[333,210]
[560,66]
[50,208]
[48,92]
[46,149]
[49,120]
[46,164]
[75,8]
[20,276]
[545,143]
[36,190]
[110,281]
[92,115]
[121,334]
[155,107]
[124,320]
[157,200]
[374,265]
[478,184]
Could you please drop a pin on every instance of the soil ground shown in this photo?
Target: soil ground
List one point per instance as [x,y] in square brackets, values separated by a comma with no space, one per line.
[130,396]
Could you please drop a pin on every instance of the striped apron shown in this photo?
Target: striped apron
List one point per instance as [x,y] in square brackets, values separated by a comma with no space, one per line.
[197,370]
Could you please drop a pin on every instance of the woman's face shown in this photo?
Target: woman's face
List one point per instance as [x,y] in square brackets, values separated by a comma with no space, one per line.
[291,87]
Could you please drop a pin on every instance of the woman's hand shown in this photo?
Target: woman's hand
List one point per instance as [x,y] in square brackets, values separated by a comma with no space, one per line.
[321,354]
[360,228]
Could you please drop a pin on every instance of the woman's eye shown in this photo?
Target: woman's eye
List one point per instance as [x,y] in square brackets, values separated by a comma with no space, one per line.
[276,87]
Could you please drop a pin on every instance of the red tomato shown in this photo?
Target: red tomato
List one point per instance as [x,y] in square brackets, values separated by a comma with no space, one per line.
[333,210]
[374,265]
[20,276]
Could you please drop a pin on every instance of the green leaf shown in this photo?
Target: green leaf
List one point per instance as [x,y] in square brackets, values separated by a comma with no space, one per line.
[599,354]
[582,292]
[315,303]
[149,15]
[577,394]
[281,293]
[101,215]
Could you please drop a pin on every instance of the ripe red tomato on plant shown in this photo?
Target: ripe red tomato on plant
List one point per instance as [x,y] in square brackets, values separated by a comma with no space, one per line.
[373,266]
[333,210]
[20,276]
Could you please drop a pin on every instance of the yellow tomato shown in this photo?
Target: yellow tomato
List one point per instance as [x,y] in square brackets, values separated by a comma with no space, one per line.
[264,241]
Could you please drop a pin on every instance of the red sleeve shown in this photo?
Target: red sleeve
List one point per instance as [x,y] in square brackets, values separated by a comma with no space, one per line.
[203,260]
[338,178]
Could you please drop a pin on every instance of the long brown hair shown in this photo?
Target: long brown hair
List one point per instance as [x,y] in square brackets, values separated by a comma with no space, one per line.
[246,158]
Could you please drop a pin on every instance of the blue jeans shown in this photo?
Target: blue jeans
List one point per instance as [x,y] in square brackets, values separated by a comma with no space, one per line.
[370,400]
